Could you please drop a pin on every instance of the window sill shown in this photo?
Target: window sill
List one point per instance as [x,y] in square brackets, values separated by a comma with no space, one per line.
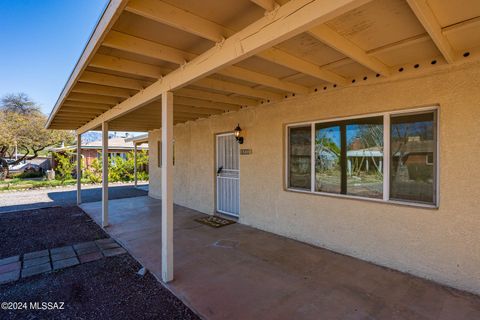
[346,196]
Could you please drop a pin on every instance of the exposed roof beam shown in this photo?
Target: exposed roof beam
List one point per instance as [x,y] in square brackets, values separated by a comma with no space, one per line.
[90,105]
[427,18]
[94,98]
[283,58]
[291,19]
[334,40]
[215,97]
[74,117]
[177,18]
[111,80]
[80,110]
[424,37]
[225,86]
[268,5]
[103,61]
[195,109]
[263,79]
[462,25]
[149,9]
[155,50]
[128,43]
[206,104]
[102,90]
[147,70]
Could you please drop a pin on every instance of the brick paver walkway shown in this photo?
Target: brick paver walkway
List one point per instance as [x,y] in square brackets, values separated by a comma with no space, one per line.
[33,263]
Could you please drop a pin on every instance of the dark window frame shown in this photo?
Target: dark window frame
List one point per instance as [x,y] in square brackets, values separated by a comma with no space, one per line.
[344,121]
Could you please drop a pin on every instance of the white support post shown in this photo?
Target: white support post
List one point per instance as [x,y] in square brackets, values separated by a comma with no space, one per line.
[104,174]
[167,186]
[135,163]
[79,169]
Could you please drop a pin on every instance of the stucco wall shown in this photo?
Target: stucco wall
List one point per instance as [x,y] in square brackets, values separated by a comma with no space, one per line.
[440,244]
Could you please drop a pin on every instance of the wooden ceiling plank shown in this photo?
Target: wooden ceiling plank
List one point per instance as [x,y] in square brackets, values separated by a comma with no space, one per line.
[215,97]
[195,109]
[147,9]
[268,5]
[286,59]
[155,50]
[75,96]
[132,44]
[205,104]
[146,70]
[226,86]
[427,18]
[112,81]
[291,19]
[334,40]
[87,105]
[462,25]
[178,18]
[263,79]
[81,111]
[112,63]
[102,90]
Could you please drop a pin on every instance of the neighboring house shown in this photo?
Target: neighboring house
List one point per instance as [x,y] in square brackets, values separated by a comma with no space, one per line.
[118,146]
[211,76]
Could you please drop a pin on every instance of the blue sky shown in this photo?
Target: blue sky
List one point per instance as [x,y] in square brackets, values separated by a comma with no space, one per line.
[41,41]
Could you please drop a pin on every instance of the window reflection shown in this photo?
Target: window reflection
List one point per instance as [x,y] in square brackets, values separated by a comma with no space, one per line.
[413,157]
[365,157]
[327,159]
[300,157]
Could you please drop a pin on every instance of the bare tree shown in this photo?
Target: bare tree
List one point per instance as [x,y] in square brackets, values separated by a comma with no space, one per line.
[22,129]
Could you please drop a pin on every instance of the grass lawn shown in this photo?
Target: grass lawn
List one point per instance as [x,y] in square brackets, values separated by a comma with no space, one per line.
[33,183]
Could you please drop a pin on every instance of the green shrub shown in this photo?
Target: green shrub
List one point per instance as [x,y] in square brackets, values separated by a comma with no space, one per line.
[27,175]
[119,169]
[142,176]
[65,166]
[94,173]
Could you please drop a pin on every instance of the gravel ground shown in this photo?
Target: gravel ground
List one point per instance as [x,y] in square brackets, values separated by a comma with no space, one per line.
[105,289]
[27,231]
[63,196]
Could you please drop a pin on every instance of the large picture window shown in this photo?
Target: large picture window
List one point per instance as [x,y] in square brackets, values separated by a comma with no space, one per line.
[389,157]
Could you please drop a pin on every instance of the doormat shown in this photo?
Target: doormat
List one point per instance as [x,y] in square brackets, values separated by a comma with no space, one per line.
[215,222]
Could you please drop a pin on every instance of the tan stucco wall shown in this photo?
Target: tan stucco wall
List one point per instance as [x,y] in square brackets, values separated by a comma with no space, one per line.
[443,244]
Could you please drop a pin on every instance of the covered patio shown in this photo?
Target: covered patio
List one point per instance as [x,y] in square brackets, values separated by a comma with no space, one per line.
[188,72]
[238,272]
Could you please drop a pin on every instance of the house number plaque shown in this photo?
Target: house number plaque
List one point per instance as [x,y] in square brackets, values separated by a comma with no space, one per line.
[245,152]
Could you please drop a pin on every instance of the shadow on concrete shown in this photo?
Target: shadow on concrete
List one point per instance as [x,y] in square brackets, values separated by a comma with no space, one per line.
[69,197]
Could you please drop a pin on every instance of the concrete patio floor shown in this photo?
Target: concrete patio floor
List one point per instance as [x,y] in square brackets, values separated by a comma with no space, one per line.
[238,272]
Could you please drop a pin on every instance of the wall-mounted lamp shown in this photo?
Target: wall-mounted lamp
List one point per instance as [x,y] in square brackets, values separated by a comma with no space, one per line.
[237,134]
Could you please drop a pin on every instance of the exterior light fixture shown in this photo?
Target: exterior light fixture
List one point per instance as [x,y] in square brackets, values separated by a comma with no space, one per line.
[237,134]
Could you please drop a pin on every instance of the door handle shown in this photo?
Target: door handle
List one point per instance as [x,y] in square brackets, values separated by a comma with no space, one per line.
[220,170]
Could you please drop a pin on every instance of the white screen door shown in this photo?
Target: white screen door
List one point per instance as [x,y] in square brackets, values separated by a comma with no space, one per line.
[228,174]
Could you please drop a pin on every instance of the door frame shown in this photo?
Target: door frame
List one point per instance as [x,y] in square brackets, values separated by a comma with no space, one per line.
[215,168]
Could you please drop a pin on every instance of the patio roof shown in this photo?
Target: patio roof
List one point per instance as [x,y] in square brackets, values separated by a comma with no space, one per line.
[221,56]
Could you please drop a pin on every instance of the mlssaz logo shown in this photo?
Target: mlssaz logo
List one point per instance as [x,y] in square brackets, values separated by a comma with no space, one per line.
[47,305]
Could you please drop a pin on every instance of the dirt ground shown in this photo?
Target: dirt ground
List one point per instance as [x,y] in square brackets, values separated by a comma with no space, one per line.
[32,230]
[109,288]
